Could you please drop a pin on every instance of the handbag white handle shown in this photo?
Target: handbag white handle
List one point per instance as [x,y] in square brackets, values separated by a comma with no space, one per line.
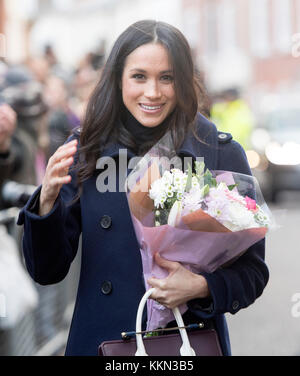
[185,350]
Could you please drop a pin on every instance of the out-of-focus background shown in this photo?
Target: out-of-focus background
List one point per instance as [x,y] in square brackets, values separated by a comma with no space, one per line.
[51,56]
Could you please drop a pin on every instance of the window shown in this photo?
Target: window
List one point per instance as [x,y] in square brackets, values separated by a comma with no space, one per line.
[282,25]
[191,22]
[210,28]
[259,27]
[227,28]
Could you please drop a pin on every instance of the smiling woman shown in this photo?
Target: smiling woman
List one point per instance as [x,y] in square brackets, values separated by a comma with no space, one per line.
[147,85]
[148,88]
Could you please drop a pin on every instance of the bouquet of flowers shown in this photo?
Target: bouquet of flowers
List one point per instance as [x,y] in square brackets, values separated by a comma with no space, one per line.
[200,218]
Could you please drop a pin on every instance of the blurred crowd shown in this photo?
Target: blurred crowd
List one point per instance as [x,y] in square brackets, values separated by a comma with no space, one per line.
[40,104]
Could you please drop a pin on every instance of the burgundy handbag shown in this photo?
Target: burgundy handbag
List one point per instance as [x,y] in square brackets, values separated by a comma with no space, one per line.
[202,342]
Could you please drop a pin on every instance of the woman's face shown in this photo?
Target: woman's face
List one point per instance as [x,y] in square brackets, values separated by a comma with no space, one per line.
[148,84]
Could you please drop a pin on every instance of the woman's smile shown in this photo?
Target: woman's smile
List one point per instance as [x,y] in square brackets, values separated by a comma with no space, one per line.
[151,108]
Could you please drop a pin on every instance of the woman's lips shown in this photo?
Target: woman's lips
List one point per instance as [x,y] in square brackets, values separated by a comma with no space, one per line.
[151,109]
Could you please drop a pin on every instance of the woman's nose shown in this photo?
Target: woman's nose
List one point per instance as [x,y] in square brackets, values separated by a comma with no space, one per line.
[152,90]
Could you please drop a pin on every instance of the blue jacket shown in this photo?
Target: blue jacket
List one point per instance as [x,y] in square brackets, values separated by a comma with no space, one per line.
[111,281]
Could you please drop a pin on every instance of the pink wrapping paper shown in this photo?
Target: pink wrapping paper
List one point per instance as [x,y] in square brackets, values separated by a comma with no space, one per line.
[197,251]
[200,243]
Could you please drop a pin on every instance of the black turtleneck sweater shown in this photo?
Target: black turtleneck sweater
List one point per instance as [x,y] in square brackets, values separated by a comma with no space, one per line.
[144,137]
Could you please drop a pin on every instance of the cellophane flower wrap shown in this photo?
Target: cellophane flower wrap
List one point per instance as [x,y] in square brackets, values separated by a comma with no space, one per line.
[203,219]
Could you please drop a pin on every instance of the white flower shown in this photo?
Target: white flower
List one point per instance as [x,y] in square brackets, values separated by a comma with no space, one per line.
[179,180]
[229,208]
[158,193]
[192,200]
[233,214]
[240,217]
[195,183]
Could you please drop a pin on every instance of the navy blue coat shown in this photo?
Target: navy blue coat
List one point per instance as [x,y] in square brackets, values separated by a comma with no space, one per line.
[111,281]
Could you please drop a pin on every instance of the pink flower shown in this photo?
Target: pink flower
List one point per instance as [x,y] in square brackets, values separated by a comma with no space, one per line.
[251,204]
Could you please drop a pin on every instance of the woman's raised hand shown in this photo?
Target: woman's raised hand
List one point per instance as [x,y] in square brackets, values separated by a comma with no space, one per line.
[56,175]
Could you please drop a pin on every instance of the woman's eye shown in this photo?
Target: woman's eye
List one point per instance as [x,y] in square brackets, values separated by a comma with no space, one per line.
[138,76]
[167,78]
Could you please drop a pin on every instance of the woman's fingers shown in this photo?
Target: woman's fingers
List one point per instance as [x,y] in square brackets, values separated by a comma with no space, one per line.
[56,175]
[62,168]
[63,153]
[58,181]
[57,170]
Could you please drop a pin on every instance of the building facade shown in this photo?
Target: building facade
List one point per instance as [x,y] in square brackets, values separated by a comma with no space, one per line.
[250,44]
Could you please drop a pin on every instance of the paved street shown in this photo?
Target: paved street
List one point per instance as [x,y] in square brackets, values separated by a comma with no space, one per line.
[268,326]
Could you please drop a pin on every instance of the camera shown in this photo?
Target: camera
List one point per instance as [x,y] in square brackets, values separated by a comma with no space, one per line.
[16,194]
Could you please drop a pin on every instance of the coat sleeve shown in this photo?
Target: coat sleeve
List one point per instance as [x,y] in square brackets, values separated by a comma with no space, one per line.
[50,242]
[238,285]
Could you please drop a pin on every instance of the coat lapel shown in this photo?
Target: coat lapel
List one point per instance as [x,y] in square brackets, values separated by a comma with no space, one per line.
[207,149]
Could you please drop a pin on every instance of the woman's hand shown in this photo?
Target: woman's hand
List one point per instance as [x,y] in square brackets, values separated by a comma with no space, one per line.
[180,286]
[56,175]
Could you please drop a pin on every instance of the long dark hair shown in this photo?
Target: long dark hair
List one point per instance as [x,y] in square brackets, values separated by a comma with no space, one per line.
[102,120]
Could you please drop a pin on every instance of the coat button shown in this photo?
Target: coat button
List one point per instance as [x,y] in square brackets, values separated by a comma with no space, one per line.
[222,136]
[105,221]
[106,287]
[235,305]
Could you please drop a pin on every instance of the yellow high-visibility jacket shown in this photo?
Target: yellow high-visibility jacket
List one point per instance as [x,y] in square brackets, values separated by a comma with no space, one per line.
[236,118]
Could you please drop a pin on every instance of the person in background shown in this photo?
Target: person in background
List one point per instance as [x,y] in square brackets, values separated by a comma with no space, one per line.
[29,142]
[62,119]
[50,55]
[8,120]
[232,114]
[84,82]
[39,68]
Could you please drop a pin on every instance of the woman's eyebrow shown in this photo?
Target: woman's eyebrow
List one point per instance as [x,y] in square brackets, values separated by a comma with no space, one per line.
[143,71]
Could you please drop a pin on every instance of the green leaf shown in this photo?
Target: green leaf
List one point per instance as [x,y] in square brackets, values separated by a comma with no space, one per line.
[151,334]
[232,186]
[208,179]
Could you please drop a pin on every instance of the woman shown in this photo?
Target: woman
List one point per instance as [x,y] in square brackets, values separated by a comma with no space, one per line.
[147,86]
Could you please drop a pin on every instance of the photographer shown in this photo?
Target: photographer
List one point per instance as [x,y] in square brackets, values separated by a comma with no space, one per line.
[8,159]
[24,138]
[8,119]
